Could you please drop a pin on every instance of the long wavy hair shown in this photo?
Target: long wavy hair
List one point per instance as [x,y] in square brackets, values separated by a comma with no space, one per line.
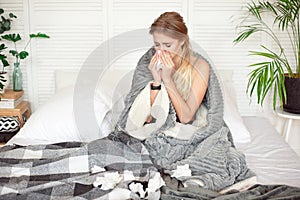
[172,24]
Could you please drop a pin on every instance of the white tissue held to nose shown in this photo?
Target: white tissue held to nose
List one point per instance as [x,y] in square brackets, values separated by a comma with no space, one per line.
[158,64]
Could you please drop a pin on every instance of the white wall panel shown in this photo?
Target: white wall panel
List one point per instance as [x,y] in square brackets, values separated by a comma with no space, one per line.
[212,26]
[125,15]
[76,28]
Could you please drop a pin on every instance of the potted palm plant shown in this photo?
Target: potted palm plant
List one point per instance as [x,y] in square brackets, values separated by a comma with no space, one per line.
[279,72]
[5,23]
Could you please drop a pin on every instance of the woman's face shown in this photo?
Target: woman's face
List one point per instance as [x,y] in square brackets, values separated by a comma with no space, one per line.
[166,43]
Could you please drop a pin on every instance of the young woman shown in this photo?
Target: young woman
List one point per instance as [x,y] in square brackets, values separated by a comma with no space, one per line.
[184,76]
[175,107]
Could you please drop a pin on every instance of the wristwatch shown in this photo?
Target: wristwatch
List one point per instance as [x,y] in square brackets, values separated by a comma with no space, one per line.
[155,87]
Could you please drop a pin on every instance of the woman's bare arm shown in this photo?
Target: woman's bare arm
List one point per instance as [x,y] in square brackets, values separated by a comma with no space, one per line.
[186,109]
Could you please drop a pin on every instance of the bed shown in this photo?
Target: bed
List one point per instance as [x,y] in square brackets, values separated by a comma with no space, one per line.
[276,165]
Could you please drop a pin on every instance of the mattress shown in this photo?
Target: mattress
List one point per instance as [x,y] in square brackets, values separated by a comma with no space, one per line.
[268,155]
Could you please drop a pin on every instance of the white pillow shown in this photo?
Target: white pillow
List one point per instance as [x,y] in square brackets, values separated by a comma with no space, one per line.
[113,85]
[232,115]
[50,123]
[55,122]
[113,96]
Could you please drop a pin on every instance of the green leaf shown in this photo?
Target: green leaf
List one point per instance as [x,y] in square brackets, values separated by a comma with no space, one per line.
[263,77]
[2,47]
[247,32]
[258,88]
[270,80]
[252,88]
[5,63]
[254,10]
[279,91]
[11,15]
[263,54]
[270,7]
[257,64]
[3,60]
[12,37]
[23,54]
[39,35]
[267,89]
[6,25]
[282,77]
[1,11]
[275,96]
[13,52]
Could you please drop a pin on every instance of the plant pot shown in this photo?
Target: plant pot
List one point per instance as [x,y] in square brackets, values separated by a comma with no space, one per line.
[4,79]
[292,86]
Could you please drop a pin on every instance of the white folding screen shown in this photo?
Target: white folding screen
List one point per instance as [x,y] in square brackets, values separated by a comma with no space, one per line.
[19,25]
[212,25]
[77,27]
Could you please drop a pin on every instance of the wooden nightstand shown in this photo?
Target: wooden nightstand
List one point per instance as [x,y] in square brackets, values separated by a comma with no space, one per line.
[22,109]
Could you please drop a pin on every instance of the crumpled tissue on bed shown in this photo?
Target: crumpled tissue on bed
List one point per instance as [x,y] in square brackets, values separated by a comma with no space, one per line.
[137,188]
[109,181]
[152,191]
[96,169]
[155,183]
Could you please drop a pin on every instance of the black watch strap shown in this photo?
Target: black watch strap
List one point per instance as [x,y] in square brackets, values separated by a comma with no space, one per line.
[158,87]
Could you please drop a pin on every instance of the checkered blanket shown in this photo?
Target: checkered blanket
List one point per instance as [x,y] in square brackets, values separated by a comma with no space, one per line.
[68,170]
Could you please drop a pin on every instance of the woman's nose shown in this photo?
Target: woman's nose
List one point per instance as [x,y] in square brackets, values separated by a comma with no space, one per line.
[158,48]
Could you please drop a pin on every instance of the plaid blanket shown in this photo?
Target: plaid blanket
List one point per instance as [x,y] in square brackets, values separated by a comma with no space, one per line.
[68,170]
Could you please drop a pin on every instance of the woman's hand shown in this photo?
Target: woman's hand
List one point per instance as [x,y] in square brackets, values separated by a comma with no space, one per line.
[168,68]
[152,67]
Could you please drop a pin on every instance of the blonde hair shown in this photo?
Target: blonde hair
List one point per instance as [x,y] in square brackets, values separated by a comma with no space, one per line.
[172,24]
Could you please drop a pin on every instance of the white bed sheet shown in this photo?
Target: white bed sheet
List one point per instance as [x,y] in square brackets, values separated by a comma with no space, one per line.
[268,155]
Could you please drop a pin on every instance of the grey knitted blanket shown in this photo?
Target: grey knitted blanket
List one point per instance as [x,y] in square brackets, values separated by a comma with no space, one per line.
[210,152]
